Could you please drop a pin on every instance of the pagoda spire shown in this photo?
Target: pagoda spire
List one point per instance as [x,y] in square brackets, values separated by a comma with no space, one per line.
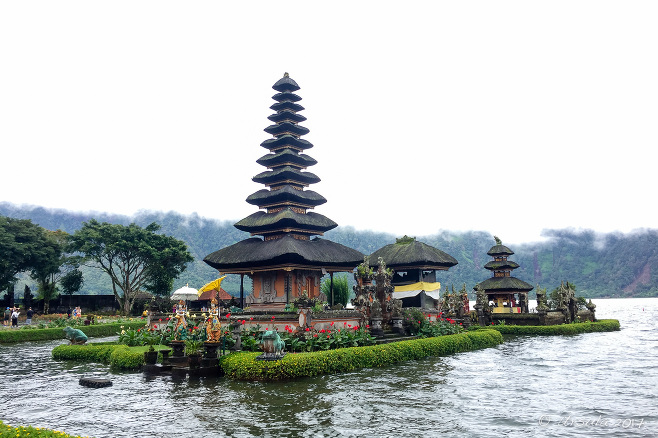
[284,204]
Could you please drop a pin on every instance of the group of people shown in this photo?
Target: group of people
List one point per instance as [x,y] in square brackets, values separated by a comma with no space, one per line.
[11,316]
[76,313]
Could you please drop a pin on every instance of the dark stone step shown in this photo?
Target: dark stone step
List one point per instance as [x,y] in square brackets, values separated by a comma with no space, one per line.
[94,382]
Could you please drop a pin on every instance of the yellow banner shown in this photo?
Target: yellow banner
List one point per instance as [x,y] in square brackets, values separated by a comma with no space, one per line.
[421,285]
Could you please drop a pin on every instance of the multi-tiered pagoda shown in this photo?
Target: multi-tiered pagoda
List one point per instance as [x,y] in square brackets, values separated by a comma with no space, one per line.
[509,294]
[287,259]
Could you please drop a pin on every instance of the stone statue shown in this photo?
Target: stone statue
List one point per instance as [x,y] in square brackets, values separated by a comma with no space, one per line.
[213,323]
[179,317]
[75,335]
[396,311]
[272,346]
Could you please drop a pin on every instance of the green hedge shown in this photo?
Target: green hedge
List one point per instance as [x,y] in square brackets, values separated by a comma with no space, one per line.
[48,334]
[118,356]
[604,325]
[244,366]
[36,432]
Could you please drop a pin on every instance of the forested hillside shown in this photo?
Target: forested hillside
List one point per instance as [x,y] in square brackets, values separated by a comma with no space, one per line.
[610,265]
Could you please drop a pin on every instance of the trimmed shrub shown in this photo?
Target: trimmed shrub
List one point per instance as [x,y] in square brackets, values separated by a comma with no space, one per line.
[118,356]
[49,334]
[244,366]
[123,358]
[37,432]
[604,325]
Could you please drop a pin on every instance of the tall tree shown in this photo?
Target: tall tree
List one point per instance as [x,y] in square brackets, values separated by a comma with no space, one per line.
[135,258]
[72,282]
[22,243]
[47,268]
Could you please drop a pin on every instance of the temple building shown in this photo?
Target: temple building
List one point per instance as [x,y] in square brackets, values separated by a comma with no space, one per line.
[508,294]
[415,265]
[285,257]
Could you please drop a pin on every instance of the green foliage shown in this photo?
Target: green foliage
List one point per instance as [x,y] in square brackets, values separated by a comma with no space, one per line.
[37,334]
[604,325]
[23,246]
[135,258]
[243,366]
[118,356]
[123,358]
[416,323]
[72,282]
[29,431]
[341,289]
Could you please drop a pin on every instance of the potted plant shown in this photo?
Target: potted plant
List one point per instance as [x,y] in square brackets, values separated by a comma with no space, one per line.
[193,351]
[150,338]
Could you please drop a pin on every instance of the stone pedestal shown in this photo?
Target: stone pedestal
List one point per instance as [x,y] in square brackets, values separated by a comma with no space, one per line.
[236,332]
[178,348]
[480,312]
[397,326]
[210,350]
[376,327]
[165,356]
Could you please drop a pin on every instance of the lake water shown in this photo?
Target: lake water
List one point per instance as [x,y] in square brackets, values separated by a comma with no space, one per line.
[594,385]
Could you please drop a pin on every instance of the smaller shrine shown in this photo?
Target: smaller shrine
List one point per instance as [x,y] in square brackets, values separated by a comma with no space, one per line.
[503,292]
[414,267]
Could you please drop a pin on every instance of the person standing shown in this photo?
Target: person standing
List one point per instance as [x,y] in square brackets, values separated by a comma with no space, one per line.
[7,316]
[14,317]
[28,315]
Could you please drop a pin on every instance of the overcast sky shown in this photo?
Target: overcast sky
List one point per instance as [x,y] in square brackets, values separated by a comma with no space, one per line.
[503,116]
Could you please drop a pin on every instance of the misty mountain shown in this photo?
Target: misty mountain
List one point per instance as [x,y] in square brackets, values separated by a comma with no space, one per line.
[600,265]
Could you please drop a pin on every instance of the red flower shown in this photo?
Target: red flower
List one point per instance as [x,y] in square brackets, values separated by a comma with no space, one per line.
[228,315]
[243,321]
[160,319]
[251,319]
[332,323]
[315,335]
[308,329]
[272,316]
[492,323]
[367,326]
[355,327]
[322,331]
[266,329]
[196,328]
[349,325]
[155,325]
[328,336]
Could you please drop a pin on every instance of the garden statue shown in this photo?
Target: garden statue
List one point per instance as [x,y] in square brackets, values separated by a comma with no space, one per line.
[179,317]
[76,336]
[213,323]
[272,346]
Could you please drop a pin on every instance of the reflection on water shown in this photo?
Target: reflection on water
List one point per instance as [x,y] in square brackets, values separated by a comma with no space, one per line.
[541,386]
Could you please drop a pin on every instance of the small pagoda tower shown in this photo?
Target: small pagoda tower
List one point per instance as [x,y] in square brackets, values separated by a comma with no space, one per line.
[287,259]
[509,294]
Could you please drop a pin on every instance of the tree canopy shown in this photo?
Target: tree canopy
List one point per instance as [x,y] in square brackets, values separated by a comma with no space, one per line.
[23,246]
[135,258]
